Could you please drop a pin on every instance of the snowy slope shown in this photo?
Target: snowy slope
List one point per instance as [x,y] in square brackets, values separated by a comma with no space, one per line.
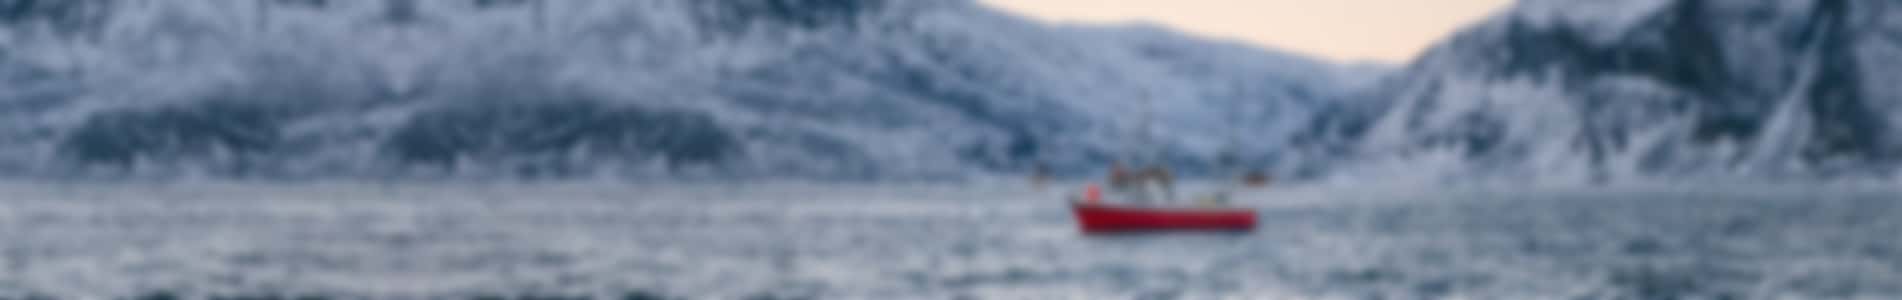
[663,88]
[1597,91]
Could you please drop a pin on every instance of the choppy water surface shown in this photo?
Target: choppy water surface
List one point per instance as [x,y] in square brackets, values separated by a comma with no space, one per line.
[804,241]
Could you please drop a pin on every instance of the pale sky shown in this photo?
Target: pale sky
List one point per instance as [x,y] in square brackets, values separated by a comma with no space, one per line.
[1342,30]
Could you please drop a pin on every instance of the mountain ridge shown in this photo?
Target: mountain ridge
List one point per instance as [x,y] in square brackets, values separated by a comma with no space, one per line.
[647,89]
[1588,91]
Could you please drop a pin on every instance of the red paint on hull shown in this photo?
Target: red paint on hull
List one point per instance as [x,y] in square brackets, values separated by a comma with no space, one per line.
[1103,218]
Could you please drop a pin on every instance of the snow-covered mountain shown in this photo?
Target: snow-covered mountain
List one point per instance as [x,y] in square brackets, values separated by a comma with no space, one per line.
[652,88]
[1595,91]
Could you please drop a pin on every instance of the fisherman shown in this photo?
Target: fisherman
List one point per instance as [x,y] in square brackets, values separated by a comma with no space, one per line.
[1120,177]
[1256,179]
[1125,183]
[1152,183]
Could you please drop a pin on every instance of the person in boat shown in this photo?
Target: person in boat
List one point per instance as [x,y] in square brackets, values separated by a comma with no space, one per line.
[1256,179]
[1122,182]
[1120,177]
[1136,184]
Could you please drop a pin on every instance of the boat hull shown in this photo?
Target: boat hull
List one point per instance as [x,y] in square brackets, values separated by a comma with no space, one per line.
[1102,218]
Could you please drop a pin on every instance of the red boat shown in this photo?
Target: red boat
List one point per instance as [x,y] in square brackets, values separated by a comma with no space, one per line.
[1098,217]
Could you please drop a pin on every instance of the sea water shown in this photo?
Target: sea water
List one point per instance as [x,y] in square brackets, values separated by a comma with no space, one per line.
[984,241]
